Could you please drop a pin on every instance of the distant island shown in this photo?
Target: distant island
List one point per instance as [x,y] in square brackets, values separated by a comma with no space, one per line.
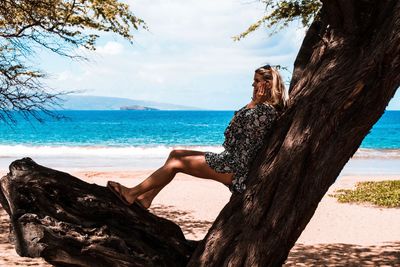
[137,107]
[87,102]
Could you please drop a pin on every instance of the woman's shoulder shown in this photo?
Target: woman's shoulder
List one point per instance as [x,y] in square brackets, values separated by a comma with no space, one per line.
[258,109]
[266,108]
[242,108]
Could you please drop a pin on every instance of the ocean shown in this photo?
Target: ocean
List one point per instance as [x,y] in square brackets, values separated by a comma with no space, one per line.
[142,139]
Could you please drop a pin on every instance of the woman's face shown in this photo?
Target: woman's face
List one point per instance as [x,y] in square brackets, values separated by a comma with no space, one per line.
[258,85]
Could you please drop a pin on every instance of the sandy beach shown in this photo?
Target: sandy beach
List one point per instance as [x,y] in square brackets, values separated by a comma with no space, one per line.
[338,234]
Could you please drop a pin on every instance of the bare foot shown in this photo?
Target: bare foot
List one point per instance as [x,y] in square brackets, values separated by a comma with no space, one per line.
[145,202]
[125,194]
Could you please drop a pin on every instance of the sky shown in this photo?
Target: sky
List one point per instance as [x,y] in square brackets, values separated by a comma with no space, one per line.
[187,57]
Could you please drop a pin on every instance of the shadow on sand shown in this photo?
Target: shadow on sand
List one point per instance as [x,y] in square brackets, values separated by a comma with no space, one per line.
[184,219]
[387,254]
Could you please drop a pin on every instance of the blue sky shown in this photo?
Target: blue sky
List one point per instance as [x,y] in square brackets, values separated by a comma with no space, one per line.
[187,57]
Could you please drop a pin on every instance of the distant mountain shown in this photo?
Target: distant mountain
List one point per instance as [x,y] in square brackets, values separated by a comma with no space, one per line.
[81,102]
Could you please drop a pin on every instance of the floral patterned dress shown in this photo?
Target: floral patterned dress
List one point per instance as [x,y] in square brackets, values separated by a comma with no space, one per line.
[243,138]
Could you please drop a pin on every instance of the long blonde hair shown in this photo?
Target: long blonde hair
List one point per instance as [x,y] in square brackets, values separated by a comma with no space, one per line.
[278,95]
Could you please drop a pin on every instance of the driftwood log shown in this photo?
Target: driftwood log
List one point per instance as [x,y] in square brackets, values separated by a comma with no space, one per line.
[69,222]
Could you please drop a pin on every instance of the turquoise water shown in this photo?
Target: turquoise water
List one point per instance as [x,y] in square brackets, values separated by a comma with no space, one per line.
[132,140]
[123,128]
[385,133]
[155,128]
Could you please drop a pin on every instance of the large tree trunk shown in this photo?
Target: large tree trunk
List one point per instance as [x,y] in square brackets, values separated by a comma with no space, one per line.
[69,222]
[347,70]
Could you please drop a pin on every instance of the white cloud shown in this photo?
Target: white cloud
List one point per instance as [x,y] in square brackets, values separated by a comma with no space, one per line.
[64,76]
[110,48]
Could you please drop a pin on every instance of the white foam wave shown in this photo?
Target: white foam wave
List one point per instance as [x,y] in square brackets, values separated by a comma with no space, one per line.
[368,153]
[96,151]
[12,151]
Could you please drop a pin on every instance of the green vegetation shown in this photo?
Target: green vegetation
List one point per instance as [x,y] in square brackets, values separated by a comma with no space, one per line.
[278,15]
[383,194]
[60,26]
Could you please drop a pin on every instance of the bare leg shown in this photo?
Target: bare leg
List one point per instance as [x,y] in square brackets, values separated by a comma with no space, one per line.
[147,198]
[185,161]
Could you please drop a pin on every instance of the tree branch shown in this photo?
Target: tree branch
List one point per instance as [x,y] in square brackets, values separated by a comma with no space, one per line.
[313,36]
[347,9]
[70,222]
[334,16]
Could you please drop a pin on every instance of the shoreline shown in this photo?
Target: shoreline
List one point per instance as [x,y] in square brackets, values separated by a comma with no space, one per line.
[117,159]
[355,232]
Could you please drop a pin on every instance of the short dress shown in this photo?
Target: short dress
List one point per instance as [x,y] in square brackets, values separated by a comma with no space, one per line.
[243,138]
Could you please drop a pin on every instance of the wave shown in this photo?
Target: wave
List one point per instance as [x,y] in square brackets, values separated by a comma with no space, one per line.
[369,153]
[160,151]
[11,151]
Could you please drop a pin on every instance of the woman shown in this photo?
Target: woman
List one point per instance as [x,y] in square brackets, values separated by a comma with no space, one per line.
[243,137]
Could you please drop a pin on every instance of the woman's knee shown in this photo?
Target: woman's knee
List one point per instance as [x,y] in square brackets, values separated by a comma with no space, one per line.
[176,154]
[179,160]
[174,161]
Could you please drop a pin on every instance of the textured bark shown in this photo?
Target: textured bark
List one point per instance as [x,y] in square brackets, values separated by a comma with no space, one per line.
[69,222]
[345,74]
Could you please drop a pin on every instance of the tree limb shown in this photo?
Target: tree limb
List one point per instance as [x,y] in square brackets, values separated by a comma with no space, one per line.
[70,222]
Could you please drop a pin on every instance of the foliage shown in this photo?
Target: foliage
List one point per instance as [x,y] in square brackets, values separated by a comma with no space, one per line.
[280,13]
[21,88]
[60,26]
[383,193]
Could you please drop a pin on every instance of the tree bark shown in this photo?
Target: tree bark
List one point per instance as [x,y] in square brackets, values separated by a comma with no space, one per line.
[347,70]
[69,222]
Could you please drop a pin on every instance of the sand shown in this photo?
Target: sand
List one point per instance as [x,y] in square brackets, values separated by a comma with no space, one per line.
[337,235]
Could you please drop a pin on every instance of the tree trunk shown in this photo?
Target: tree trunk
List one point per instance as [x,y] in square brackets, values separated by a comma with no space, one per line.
[347,70]
[69,222]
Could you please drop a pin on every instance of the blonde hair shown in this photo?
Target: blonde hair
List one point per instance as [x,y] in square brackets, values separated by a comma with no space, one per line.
[278,95]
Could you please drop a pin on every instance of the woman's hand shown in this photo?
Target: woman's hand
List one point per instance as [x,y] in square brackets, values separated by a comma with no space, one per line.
[260,93]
